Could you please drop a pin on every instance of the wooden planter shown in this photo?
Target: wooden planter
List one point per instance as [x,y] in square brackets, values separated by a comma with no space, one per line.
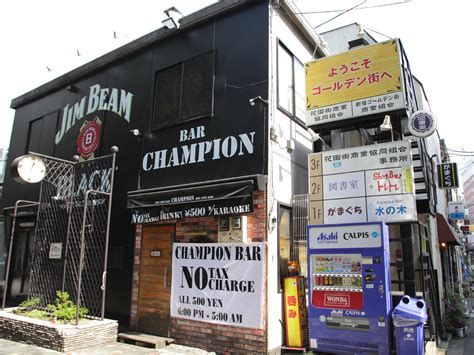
[59,337]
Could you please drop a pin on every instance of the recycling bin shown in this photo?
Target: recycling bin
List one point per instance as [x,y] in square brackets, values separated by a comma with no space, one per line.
[409,317]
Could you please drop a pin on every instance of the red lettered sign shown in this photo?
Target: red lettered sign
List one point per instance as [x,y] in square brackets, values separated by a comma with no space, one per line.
[337,299]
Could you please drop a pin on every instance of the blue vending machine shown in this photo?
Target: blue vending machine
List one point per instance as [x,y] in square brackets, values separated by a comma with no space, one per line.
[349,288]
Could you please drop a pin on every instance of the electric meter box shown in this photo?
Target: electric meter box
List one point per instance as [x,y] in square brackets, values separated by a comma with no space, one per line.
[232,229]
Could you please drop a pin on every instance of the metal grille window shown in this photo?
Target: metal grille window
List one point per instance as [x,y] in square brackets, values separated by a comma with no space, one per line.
[184,91]
[299,241]
[291,85]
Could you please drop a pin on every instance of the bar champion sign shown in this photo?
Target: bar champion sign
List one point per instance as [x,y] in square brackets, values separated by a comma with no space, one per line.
[218,283]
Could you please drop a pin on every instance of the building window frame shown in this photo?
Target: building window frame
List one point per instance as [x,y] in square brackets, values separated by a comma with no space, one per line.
[156,122]
[297,88]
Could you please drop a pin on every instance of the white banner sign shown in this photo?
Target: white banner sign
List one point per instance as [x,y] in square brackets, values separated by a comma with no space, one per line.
[218,283]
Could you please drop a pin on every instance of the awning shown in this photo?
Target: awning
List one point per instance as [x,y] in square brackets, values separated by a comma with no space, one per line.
[225,199]
[446,234]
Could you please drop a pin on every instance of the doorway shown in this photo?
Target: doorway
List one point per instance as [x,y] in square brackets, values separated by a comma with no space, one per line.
[21,265]
[154,290]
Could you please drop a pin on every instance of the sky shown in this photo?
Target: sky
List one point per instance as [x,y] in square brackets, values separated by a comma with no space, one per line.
[42,40]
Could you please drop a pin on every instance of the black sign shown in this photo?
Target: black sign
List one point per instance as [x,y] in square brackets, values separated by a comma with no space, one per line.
[465,230]
[448,176]
[206,201]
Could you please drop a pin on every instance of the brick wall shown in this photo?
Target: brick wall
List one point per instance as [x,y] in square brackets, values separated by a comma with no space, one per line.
[221,339]
[208,336]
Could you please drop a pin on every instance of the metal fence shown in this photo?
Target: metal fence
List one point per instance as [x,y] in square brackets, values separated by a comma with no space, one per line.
[299,246]
[72,233]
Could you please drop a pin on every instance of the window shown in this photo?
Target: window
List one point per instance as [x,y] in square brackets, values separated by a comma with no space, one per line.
[41,134]
[291,84]
[184,91]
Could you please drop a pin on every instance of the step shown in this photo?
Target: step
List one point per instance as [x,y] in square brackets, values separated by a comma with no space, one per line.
[142,339]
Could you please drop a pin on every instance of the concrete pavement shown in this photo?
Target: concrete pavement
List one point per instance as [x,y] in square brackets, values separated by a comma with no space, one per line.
[115,348]
[464,346]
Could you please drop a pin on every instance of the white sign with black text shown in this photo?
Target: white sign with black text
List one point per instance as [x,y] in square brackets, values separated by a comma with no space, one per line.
[362,184]
[218,283]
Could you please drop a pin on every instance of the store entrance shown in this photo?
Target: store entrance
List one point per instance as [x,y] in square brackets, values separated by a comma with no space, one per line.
[155,280]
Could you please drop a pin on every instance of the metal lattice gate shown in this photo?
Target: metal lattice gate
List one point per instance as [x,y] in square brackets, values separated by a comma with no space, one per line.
[51,230]
[72,231]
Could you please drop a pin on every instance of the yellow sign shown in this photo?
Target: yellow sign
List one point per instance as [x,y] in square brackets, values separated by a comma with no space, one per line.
[369,72]
[292,312]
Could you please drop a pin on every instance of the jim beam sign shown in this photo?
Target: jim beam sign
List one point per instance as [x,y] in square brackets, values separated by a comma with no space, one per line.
[362,184]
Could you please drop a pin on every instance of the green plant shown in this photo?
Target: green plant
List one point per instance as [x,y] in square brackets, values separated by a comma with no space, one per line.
[27,308]
[64,309]
[455,313]
[466,289]
[30,303]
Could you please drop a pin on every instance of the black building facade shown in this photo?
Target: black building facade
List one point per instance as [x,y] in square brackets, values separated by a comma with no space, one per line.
[187,93]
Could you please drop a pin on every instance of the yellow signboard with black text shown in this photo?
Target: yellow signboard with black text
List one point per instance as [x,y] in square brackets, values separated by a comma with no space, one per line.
[296,319]
[355,83]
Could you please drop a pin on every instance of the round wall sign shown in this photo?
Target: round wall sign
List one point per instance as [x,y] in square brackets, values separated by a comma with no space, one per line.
[88,139]
[422,124]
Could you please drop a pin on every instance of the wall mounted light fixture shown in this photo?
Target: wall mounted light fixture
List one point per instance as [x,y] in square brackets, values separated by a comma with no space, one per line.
[173,16]
[257,98]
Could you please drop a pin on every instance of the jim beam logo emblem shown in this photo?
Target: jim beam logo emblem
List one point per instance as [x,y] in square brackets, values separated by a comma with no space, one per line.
[88,139]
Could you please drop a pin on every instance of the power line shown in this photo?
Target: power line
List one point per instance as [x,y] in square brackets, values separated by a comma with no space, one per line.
[459,151]
[461,155]
[342,10]
[342,13]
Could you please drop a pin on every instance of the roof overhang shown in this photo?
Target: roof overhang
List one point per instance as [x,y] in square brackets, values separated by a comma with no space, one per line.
[446,234]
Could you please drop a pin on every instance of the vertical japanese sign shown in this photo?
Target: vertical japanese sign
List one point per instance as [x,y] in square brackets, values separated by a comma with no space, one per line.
[362,184]
[356,83]
[295,311]
[218,283]
[448,176]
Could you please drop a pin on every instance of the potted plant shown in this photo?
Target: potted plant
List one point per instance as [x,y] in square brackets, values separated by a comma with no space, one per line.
[455,315]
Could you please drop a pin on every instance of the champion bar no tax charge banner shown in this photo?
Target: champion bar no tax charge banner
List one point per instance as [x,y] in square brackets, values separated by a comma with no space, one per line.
[218,283]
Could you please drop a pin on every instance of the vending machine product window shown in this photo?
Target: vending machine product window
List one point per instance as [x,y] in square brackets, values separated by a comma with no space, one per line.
[332,277]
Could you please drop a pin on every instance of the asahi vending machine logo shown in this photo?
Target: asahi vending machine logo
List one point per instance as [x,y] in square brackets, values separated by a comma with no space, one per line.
[89,138]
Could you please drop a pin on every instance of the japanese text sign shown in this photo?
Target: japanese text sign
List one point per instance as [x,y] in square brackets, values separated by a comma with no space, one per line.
[355,83]
[295,304]
[362,184]
[448,176]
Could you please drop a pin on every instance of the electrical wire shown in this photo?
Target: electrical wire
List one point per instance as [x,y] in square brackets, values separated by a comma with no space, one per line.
[459,151]
[342,13]
[360,8]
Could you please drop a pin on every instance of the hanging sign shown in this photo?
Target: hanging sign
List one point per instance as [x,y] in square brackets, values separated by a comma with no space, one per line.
[455,210]
[355,83]
[422,124]
[448,176]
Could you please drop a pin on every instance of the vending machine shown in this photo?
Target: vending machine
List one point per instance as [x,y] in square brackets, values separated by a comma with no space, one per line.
[349,288]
